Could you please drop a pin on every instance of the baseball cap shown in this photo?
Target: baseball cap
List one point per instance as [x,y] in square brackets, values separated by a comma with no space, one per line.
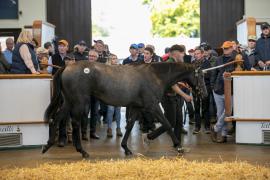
[205,46]
[227,44]
[252,37]
[133,46]
[177,47]
[82,42]
[99,41]
[265,25]
[64,42]
[141,45]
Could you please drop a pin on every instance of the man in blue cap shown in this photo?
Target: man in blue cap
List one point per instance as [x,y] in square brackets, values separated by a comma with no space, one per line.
[141,47]
[134,55]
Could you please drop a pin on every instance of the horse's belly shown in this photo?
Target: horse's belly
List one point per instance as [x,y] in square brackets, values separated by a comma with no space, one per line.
[120,100]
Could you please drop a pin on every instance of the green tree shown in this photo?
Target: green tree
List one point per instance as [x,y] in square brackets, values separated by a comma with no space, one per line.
[171,18]
[98,31]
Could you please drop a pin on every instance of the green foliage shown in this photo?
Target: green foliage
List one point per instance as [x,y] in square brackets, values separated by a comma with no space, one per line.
[171,18]
[98,31]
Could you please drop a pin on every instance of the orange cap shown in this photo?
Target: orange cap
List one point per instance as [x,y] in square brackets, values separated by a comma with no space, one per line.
[227,44]
[64,42]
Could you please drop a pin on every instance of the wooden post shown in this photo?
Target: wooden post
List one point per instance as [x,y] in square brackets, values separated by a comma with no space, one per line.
[228,95]
[228,86]
[37,33]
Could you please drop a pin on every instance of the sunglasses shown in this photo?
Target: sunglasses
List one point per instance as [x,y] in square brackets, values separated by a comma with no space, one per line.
[92,56]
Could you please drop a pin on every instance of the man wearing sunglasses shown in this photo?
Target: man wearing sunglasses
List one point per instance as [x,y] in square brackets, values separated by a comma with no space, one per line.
[81,51]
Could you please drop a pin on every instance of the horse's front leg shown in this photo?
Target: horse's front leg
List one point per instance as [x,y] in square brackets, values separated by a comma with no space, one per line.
[130,124]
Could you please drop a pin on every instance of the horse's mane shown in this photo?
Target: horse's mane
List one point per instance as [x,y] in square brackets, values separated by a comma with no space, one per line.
[172,66]
[163,65]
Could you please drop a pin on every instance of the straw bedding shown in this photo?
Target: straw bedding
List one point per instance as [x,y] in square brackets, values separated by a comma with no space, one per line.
[140,168]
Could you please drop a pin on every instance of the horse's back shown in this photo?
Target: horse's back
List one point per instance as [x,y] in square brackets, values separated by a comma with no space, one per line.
[116,85]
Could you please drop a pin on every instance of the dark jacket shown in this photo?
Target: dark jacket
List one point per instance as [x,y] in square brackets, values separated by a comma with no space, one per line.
[212,59]
[18,66]
[217,80]
[204,64]
[157,58]
[80,56]
[103,57]
[128,60]
[4,65]
[187,58]
[263,48]
[252,58]
[57,60]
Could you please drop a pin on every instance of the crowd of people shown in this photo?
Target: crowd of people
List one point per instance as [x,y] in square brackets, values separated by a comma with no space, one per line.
[25,57]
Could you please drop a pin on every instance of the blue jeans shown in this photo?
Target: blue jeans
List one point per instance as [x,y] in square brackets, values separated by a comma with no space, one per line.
[221,125]
[109,117]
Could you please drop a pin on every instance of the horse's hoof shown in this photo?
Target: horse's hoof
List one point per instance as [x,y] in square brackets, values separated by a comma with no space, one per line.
[146,141]
[44,149]
[180,150]
[85,155]
[128,153]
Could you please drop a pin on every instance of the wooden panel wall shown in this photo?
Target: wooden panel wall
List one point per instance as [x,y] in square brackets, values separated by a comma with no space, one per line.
[218,18]
[72,19]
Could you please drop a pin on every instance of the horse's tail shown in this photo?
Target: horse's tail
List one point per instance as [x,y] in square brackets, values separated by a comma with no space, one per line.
[57,98]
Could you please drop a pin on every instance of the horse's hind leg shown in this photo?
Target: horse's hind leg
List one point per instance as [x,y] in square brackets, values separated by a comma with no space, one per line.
[76,116]
[62,114]
[130,123]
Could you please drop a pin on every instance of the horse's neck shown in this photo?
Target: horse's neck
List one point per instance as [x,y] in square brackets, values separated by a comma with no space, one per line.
[170,73]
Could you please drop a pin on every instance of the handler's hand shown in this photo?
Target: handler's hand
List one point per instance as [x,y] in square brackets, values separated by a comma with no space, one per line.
[69,62]
[226,74]
[188,98]
[267,62]
[36,72]
[261,64]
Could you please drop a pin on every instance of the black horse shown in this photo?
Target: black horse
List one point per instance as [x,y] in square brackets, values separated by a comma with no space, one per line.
[139,87]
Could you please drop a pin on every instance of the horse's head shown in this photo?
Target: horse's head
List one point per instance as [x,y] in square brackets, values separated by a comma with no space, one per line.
[197,82]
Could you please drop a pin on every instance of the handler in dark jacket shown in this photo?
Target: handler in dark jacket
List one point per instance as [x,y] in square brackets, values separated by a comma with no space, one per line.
[200,61]
[173,98]
[263,47]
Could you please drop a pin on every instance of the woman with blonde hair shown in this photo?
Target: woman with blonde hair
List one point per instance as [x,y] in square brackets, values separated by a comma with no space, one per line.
[24,60]
[113,110]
